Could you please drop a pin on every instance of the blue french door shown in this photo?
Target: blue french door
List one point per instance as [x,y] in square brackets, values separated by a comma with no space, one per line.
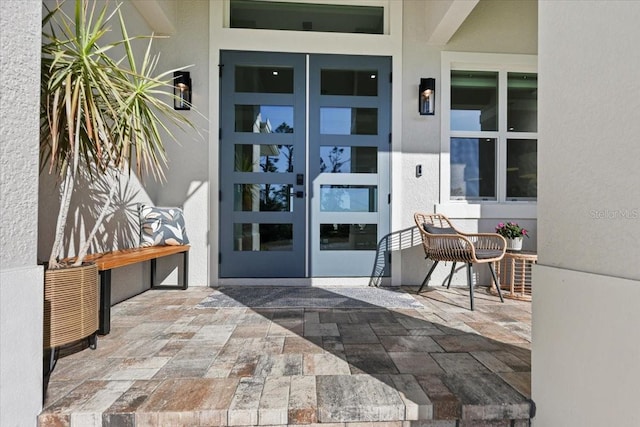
[304,155]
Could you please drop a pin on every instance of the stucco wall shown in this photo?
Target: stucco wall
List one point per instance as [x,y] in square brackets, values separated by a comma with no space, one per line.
[20,110]
[187,182]
[192,173]
[586,288]
[21,280]
[420,137]
[120,229]
[491,27]
[499,26]
[585,348]
[589,132]
[117,231]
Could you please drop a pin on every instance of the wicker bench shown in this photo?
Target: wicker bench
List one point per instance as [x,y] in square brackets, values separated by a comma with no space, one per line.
[110,260]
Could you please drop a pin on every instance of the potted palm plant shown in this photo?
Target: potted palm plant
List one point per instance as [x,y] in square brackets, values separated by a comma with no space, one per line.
[100,117]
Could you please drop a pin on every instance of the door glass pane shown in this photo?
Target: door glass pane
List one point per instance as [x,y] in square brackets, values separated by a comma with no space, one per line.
[473,168]
[263,158]
[262,237]
[264,118]
[334,18]
[474,100]
[264,79]
[522,168]
[340,159]
[348,198]
[522,102]
[349,82]
[262,198]
[348,121]
[348,237]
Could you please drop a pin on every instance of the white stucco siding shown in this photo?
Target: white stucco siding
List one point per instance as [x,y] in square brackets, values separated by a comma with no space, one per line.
[192,176]
[588,137]
[420,144]
[187,183]
[120,229]
[19,129]
[21,319]
[585,348]
[499,26]
[586,288]
[21,279]
[491,27]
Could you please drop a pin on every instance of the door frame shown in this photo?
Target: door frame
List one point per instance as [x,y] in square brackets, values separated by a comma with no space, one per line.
[390,44]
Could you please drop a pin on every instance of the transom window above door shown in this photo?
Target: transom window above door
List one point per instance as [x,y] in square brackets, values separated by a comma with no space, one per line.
[307,16]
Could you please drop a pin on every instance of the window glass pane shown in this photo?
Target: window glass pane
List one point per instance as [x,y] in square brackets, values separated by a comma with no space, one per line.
[473,168]
[263,158]
[349,82]
[262,197]
[262,237]
[348,237]
[348,121]
[474,100]
[264,79]
[522,105]
[522,168]
[264,119]
[348,198]
[307,17]
[339,159]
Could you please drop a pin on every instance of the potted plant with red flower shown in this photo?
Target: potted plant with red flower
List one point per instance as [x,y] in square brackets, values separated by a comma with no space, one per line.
[513,233]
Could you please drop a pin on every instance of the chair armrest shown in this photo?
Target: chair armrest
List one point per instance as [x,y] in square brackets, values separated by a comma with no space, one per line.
[488,247]
[487,241]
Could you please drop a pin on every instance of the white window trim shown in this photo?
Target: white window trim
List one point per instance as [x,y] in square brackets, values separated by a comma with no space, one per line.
[481,208]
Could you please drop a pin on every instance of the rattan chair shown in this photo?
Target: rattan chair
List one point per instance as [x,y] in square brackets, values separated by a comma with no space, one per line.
[443,242]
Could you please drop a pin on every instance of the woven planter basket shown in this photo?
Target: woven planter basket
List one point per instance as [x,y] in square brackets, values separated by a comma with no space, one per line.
[70,304]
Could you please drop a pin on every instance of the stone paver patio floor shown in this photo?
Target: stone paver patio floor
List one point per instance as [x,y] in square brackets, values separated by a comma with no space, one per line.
[169,361]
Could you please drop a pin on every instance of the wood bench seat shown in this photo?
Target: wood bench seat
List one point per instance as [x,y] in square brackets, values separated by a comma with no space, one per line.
[121,258]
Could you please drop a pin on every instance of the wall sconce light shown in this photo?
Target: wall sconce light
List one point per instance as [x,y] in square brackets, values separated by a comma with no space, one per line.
[427,97]
[181,90]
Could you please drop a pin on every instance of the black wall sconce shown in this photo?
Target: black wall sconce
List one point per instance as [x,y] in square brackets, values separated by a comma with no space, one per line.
[181,90]
[427,97]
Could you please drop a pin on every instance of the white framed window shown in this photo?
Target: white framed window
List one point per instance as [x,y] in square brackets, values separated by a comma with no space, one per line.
[489,129]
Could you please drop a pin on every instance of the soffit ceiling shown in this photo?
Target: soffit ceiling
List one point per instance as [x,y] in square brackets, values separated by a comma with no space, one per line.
[443,17]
